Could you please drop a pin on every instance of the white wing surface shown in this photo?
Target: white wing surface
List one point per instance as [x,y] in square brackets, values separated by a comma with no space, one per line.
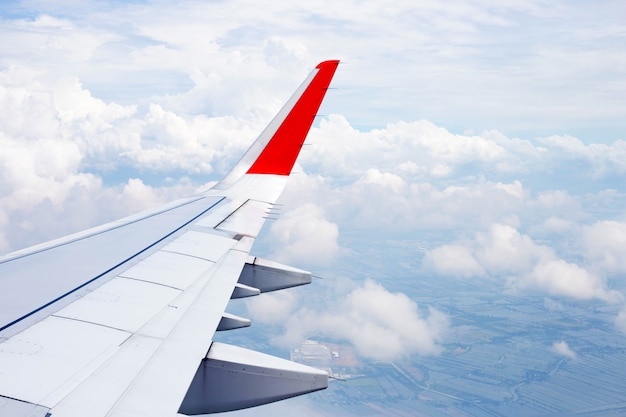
[119,320]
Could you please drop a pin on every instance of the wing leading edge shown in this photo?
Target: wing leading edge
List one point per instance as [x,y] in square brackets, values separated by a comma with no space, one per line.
[119,320]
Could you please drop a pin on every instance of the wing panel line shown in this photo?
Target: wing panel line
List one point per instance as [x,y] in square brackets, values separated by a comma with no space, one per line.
[93,323]
[25,316]
[95,233]
[122,276]
[233,212]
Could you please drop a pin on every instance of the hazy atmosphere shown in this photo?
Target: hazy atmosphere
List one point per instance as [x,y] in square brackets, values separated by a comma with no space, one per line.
[478,142]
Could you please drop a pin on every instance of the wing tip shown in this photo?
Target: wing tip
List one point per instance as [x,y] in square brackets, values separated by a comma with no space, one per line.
[276,149]
[328,63]
[281,150]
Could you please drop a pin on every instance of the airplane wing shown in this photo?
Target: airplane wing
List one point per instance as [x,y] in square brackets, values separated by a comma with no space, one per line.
[119,320]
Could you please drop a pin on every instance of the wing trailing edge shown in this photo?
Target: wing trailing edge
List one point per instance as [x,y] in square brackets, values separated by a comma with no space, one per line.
[271,276]
[232,378]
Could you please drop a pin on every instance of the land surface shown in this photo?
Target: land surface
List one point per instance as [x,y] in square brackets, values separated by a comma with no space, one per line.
[498,357]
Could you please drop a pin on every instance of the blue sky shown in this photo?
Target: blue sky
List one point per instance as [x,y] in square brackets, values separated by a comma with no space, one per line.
[497,127]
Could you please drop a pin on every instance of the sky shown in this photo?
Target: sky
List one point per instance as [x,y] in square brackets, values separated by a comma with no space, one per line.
[496,127]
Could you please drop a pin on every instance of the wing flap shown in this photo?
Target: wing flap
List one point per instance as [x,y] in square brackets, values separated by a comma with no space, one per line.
[170,269]
[232,322]
[64,349]
[187,327]
[121,303]
[231,378]
[96,395]
[271,276]
[15,408]
[41,365]
[244,291]
[201,245]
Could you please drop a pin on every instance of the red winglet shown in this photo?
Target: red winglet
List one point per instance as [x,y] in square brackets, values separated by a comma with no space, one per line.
[279,155]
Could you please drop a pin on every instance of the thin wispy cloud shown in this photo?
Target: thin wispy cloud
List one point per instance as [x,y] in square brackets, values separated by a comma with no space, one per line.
[467,65]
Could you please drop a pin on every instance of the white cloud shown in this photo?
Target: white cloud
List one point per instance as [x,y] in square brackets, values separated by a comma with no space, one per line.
[381,325]
[452,260]
[84,202]
[409,55]
[556,201]
[601,158]
[240,73]
[304,236]
[441,170]
[557,277]
[500,251]
[279,50]
[138,196]
[388,203]
[604,244]
[272,307]
[384,179]
[503,250]
[562,348]
[58,141]
[524,265]
[516,189]
[557,225]
[340,149]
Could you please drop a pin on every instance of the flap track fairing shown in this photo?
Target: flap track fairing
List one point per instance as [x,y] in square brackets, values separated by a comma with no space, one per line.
[232,378]
[271,276]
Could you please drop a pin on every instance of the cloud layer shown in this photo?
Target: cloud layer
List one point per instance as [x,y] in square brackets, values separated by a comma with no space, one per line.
[524,265]
[475,65]
[110,108]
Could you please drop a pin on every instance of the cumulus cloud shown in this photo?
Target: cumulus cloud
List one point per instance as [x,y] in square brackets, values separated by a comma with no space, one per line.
[500,250]
[424,175]
[388,203]
[272,307]
[557,277]
[64,149]
[59,142]
[87,202]
[523,265]
[304,236]
[421,146]
[381,325]
[384,179]
[601,158]
[604,244]
[505,250]
[453,260]
[562,348]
